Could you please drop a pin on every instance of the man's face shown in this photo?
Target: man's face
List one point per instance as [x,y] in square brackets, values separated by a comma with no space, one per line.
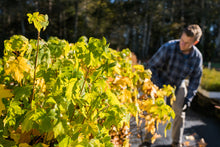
[186,43]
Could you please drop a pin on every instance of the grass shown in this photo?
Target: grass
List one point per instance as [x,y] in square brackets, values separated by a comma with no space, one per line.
[210,80]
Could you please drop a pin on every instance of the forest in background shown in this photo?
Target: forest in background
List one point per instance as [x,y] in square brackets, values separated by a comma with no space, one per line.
[140,25]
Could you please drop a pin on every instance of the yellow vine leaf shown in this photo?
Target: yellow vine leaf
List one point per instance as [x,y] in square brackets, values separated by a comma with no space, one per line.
[17,43]
[4,93]
[139,67]
[145,105]
[124,82]
[149,88]
[40,82]
[40,21]
[125,96]
[80,137]
[50,135]
[117,69]
[16,67]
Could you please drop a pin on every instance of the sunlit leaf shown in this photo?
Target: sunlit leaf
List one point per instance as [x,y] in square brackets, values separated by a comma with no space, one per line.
[40,21]
[17,67]
[4,93]
[58,129]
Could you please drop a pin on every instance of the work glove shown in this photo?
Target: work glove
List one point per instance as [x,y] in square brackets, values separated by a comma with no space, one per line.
[186,104]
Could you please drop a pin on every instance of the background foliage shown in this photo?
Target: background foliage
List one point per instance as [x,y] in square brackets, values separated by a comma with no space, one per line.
[210,80]
[140,25]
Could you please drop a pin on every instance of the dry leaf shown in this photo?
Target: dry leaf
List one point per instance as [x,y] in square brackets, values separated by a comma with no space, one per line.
[155,136]
[186,143]
[190,137]
[202,143]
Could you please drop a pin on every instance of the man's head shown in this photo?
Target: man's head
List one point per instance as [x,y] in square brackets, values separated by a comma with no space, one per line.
[190,36]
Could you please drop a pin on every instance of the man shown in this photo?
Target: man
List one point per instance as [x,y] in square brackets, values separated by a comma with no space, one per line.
[174,62]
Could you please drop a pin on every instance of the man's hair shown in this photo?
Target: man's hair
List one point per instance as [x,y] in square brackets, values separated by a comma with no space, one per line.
[193,30]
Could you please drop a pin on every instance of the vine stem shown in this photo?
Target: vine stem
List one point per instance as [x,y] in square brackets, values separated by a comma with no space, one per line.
[35,65]
[87,73]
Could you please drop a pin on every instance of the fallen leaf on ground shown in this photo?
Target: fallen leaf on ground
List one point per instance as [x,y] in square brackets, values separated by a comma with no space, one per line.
[190,137]
[186,143]
[202,143]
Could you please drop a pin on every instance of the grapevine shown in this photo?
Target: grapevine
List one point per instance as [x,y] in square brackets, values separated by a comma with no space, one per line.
[75,94]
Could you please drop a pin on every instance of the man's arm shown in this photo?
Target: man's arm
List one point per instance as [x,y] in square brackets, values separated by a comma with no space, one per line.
[194,81]
[157,62]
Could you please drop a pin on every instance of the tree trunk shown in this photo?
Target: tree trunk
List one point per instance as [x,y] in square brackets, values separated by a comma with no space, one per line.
[182,11]
[203,23]
[23,30]
[172,11]
[36,6]
[60,24]
[144,46]
[85,18]
[76,4]
[149,35]
[217,41]
[50,7]
[127,37]
[50,4]
[64,25]
[134,40]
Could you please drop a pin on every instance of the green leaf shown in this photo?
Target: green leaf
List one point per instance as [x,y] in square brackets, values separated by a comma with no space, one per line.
[65,142]
[58,129]
[160,102]
[45,124]
[58,47]
[95,143]
[22,93]
[96,74]
[51,100]
[100,85]
[27,124]
[16,46]
[69,91]
[44,55]
[40,21]
[38,115]
[83,39]
[90,60]
[112,98]
[168,127]
[52,114]
[88,128]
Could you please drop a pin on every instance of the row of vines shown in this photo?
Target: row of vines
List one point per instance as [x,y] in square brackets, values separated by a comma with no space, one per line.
[56,93]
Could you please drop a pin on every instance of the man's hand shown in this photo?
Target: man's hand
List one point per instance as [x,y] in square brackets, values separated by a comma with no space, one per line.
[186,104]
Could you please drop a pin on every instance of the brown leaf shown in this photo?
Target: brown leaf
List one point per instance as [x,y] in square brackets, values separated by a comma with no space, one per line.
[202,143]
[190,137]
[186,143]
[25,137]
